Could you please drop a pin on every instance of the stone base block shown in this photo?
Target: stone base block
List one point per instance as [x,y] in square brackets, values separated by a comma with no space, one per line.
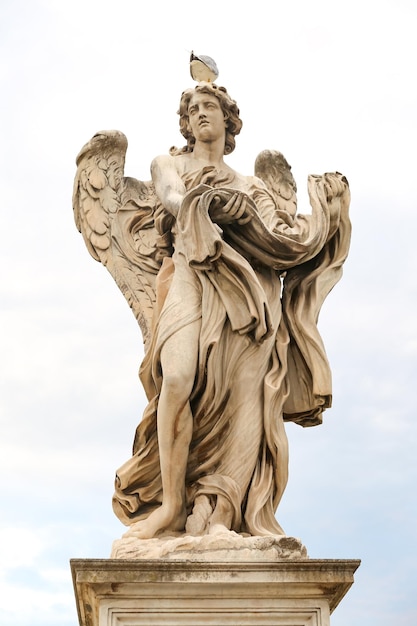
[118,592]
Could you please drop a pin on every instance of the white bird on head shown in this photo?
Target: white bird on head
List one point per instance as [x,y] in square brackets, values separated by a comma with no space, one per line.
[203,68]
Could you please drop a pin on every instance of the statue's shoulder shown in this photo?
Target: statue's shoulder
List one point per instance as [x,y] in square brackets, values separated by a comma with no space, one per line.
[163,160]
[249,183]
[169,162]
[163,166]
[256,182]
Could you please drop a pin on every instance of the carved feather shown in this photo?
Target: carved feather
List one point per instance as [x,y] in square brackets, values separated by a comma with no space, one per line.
[272,167]
[115,216]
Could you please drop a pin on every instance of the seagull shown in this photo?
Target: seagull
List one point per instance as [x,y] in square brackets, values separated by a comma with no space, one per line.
[203,68]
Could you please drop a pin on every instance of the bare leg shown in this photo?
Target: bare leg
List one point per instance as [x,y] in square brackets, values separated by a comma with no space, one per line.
[175,426]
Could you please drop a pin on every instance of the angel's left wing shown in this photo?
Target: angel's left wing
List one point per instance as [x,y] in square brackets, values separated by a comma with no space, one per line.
[272,167]
[308,283]
[115,215]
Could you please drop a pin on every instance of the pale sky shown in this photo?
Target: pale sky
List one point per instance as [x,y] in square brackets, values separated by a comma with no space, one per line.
[333,86]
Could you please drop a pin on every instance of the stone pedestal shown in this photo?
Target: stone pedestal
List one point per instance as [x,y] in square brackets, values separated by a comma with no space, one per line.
[134,592]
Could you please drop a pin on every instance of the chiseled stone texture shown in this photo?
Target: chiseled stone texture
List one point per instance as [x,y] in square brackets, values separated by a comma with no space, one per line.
[226,280]
[129,592]
[227,547]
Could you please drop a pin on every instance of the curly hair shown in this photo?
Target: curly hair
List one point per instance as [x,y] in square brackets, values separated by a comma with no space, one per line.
[230,111]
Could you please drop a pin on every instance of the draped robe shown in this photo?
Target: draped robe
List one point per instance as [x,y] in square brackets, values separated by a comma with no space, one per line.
[257,289]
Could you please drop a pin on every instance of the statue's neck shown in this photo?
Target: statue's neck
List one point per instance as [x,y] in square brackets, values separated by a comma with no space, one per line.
[209,153]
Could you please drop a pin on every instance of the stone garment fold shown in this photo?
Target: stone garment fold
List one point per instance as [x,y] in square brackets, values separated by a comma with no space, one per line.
[259,362]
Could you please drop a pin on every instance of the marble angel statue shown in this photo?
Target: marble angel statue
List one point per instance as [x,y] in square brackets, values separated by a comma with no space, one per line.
[226,280]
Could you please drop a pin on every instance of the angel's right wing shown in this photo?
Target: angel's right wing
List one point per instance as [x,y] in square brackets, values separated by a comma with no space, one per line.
[115,215]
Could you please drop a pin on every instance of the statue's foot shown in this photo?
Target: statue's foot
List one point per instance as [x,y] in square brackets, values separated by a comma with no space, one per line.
[162,519]
[222,516]
[196,523]
[220,529]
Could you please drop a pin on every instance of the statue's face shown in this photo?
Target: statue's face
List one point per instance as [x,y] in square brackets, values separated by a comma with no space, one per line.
[206,118]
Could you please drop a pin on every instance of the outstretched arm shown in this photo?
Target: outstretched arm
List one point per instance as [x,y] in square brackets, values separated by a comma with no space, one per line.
[168,185]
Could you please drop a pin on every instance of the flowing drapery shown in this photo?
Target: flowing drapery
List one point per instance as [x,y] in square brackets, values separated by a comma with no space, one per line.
[261,359]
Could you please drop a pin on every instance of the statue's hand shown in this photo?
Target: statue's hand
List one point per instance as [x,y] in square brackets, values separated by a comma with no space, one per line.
[335,185]
[236,209]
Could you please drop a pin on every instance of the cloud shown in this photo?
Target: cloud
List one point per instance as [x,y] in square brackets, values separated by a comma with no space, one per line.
[327,84]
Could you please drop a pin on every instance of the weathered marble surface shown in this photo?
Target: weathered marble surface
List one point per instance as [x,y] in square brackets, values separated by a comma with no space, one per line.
[226,280]
[224,547]
[178,593]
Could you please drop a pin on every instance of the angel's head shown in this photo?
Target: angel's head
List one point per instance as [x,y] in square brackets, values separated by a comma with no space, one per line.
[230,112]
